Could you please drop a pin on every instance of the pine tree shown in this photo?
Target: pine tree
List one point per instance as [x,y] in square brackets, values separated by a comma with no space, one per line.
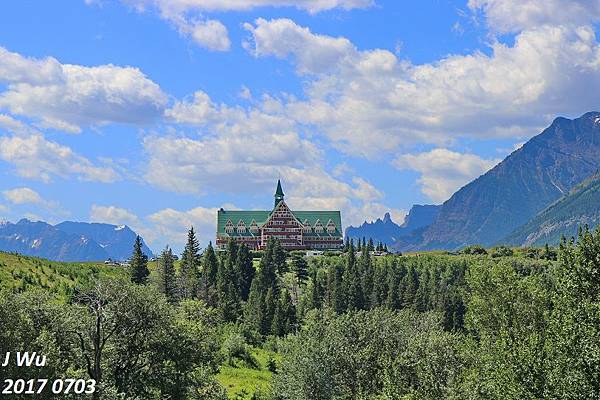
[264,289]
[300,269]
[335,288]
[370,245]
[284,318]
[228,285]
[139,263]
[316,294]
[410,285]
[189,274]
[208,276]
[244,270]
[166,275]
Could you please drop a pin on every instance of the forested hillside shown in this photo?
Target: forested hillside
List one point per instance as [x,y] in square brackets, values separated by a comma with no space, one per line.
[496,323]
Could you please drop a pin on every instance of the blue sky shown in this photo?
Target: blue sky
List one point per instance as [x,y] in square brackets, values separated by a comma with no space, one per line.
[155,113]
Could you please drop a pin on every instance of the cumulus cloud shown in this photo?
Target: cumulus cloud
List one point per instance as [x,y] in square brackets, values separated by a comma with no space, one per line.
[23,195]
[113,215]
[283,37]
[171,225]
[444,171]
[516,15]
[369,102]
[67,96]
[34,157]
[211,34]
[251,145]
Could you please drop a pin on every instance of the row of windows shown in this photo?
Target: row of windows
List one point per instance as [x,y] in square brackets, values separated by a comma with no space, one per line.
[318,228]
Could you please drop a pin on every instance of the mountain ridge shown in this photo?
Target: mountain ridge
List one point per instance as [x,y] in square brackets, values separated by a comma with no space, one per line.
[68,241]
[532,177]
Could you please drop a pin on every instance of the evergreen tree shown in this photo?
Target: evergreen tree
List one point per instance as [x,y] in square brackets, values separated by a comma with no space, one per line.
[409,286]
[208,276]
[284,317]
[353,293]
[300,269]
[370,245]
[139,263]
[245,271]
[264,289]
[335,288]
[228,284]
[316,291]
[189,274]
[166,281]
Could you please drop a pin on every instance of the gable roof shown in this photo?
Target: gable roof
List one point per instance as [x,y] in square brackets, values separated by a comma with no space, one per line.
[262,216]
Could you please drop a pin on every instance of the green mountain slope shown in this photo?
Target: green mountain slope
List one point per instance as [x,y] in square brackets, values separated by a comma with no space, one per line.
[21,273]
[578,208]
[547,167]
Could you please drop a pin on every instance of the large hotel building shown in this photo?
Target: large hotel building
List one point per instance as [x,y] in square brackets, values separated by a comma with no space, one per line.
[296,230]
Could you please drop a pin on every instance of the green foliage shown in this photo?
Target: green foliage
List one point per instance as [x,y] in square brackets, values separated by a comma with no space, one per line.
[575,322]
[367,354]
[188,281]
[474,249]
[127,337]
[166,280]
[501,251]
[139,263]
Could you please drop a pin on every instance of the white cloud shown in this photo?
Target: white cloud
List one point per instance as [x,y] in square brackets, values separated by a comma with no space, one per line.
[211,34]
[183,6]
[67,97]
[282,38]
[251,145]
[15,126]
[170,226]
[23,195]
[113,215]
[369,102]
[516,15]
[3,209]
[34,157]
[444,171]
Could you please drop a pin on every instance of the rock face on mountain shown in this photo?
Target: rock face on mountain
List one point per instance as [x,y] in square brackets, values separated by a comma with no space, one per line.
[76,242]
[563,218]
[387,231]
[116,240]
[547,167]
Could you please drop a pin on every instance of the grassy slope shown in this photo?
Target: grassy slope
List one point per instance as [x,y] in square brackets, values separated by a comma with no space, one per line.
[241,381]
[18,272]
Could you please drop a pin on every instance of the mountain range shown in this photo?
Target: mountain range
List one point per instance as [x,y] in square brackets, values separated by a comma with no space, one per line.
[387,231]
[538,192]
[69,241]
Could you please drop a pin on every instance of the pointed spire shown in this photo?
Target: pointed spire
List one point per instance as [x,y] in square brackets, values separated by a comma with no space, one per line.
[278,194]
[279,191]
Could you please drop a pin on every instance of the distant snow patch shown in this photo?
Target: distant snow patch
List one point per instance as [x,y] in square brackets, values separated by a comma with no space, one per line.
[120,228]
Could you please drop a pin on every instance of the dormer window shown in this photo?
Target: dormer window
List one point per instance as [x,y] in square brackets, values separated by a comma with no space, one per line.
[318,226]
[253,226]
[229,226]
[241,226]
[330,227]
[306,226]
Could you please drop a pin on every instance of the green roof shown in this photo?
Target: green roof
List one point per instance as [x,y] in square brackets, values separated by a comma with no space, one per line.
[261,217]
